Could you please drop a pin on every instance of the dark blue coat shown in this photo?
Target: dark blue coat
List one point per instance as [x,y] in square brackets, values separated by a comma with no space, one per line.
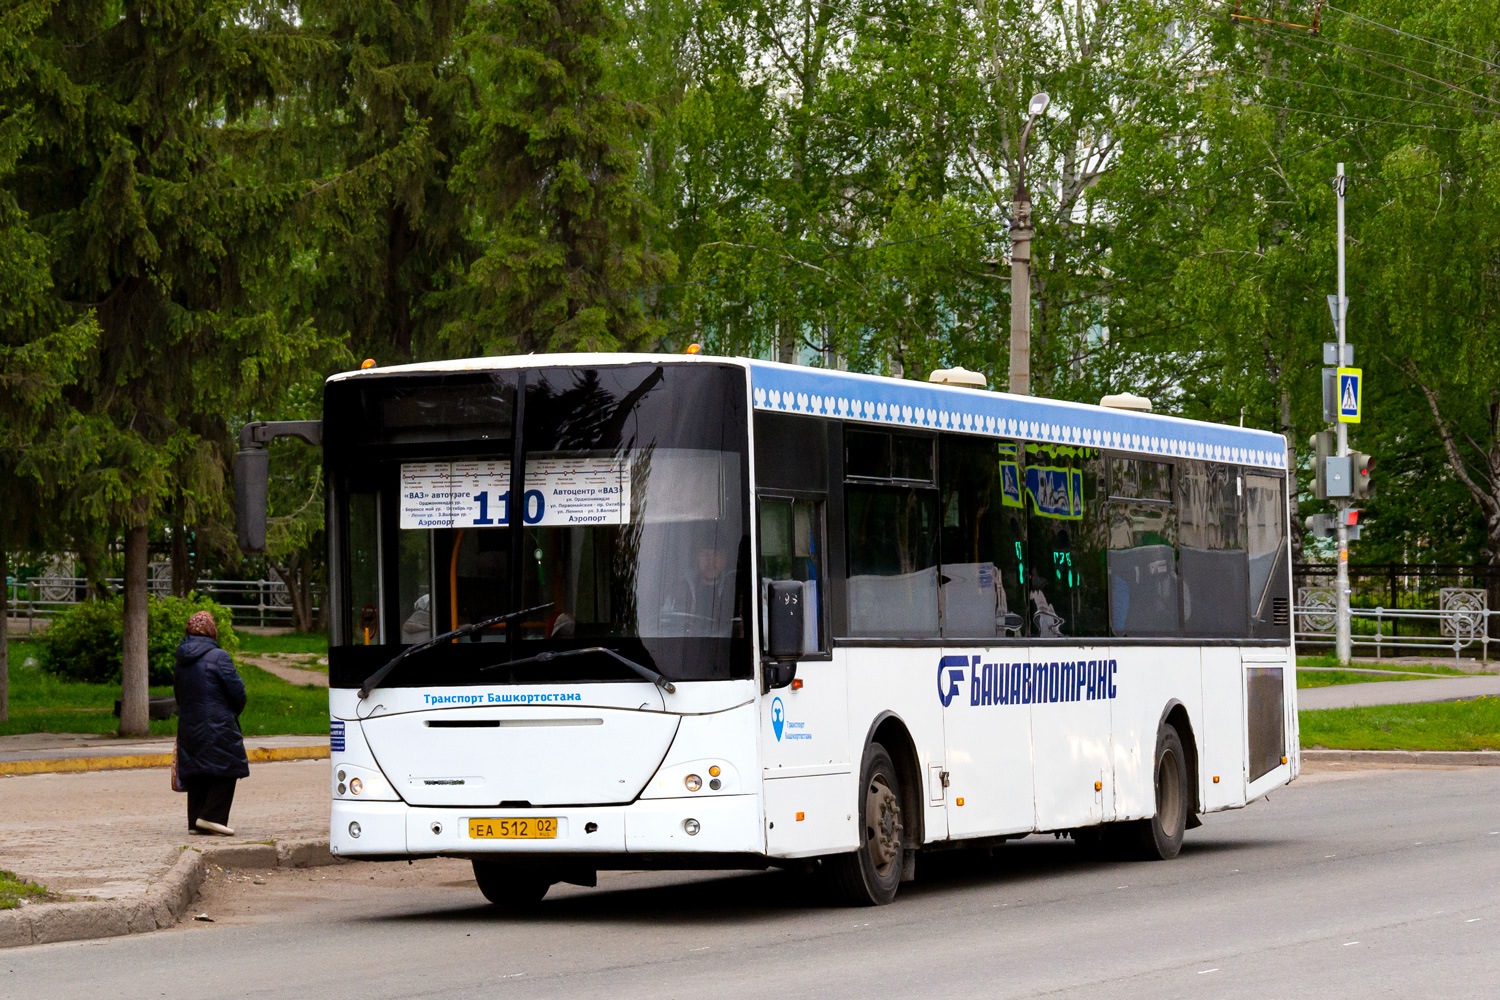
[210,698]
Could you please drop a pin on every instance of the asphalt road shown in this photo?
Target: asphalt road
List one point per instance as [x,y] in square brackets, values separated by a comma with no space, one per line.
[1351,884]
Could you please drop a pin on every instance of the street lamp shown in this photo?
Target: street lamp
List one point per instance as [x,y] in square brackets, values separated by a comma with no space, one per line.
[1020,261]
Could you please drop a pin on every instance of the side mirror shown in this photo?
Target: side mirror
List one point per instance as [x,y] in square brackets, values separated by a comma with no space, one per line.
[784,619]
[252,469]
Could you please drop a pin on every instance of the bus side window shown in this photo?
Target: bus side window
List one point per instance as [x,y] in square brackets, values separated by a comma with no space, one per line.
[1211,552]
[1265,520]
[1143,598]
[791,548]
[1067,541]
[982,581]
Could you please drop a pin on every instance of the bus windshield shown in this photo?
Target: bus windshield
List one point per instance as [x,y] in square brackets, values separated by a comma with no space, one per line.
[633,532]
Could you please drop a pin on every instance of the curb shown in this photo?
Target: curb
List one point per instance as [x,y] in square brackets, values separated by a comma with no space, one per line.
[1466,758]
[256,755]
[164,901]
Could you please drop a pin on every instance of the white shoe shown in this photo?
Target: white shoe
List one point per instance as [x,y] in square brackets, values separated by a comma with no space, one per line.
[208,826]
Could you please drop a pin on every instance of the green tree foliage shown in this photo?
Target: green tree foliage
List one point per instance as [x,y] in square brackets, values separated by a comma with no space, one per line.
[83,643]
[551,174]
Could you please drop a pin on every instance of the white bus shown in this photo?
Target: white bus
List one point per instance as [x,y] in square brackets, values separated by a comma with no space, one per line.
[763,615]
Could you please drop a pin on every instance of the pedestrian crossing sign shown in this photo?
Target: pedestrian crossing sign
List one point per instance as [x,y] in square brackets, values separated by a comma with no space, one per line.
[1350,397]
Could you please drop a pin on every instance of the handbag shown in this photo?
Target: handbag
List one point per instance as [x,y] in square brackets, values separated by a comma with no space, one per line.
[177,785]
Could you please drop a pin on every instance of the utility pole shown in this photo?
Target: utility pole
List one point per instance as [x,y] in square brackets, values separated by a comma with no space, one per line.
[1020,290]
[1020,262]
[1343,642]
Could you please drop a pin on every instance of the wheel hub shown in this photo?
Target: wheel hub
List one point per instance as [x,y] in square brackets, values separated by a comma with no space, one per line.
[882,824]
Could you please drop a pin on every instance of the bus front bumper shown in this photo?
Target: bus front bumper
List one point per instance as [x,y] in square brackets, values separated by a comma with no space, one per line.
[725,824]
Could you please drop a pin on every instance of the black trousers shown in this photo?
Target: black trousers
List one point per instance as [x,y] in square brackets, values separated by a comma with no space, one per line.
[209,798]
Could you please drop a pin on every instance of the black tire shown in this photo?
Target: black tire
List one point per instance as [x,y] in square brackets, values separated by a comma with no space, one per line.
[509,887]
[1160,837]
[871,875]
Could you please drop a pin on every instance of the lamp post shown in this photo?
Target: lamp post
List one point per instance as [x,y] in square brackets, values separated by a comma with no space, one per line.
[1020,262]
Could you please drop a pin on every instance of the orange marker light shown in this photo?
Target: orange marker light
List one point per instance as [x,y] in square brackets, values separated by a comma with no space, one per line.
[693,349]
[960,800]
[1283,760]
[1098,786]
[801,817]
[1216,779]
[797,684]
[713,772]
[367,363]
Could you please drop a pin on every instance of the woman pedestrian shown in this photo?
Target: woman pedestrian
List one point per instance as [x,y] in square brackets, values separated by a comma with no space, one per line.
[210,748]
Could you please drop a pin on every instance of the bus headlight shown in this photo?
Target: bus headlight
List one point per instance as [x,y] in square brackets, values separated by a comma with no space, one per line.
[356,786]
[354,829]
[693,782]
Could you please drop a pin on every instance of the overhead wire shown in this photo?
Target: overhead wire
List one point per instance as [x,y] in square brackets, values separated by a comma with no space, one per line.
[1407,34]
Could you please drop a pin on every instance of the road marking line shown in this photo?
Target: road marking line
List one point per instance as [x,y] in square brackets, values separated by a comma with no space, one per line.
[704,948]
[1348,943]
[1207,971]
[1473,920]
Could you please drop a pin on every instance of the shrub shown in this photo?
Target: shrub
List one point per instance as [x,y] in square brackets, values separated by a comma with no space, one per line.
[86,642]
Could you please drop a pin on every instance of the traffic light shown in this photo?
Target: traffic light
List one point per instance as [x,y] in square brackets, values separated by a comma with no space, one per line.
[1361,465]
[1322,446]
[1319,526]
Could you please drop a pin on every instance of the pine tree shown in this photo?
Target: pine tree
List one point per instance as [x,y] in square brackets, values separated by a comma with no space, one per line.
[137,109]
[551,173]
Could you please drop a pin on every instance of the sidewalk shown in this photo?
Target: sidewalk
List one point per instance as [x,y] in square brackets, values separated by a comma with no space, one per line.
[1398,692]
[108,833]
[117,835]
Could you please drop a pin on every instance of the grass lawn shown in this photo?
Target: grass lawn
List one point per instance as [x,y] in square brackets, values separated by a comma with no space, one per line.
[41,703]
[292,642]
[1423,668]
[1448,725]
[13,889]
[1328,678]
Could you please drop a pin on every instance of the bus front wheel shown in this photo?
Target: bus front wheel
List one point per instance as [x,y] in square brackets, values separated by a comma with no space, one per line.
[871,875]
[509,887]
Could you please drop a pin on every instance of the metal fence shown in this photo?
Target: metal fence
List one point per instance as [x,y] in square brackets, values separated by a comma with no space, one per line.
[261,603]
[1401,631]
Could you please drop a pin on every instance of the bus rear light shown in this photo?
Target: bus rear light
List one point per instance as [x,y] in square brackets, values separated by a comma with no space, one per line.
[691,827]
[693,782]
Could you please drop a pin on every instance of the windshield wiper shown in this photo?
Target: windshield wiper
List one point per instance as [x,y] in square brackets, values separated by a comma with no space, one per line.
[374,679]
[640,668]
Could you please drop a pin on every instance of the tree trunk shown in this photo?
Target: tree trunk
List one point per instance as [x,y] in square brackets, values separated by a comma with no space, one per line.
[4,631]
[135,669]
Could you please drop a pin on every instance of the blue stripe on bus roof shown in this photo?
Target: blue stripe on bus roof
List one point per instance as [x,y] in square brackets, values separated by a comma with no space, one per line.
[905,403]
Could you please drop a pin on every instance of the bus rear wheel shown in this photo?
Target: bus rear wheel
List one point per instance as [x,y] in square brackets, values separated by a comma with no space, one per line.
[871,875]
[509,887]
[1160,837]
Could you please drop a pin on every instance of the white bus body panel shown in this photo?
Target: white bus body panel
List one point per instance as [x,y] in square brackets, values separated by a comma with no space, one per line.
[1150,678]
[1071,749]
[988,746]
[809,771]
[1222,741]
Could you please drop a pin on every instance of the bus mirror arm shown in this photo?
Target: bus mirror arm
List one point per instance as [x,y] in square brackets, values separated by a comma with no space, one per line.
[777,674]
[252,467]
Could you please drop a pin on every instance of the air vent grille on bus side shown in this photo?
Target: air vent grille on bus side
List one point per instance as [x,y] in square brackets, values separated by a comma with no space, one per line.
[1280,611]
